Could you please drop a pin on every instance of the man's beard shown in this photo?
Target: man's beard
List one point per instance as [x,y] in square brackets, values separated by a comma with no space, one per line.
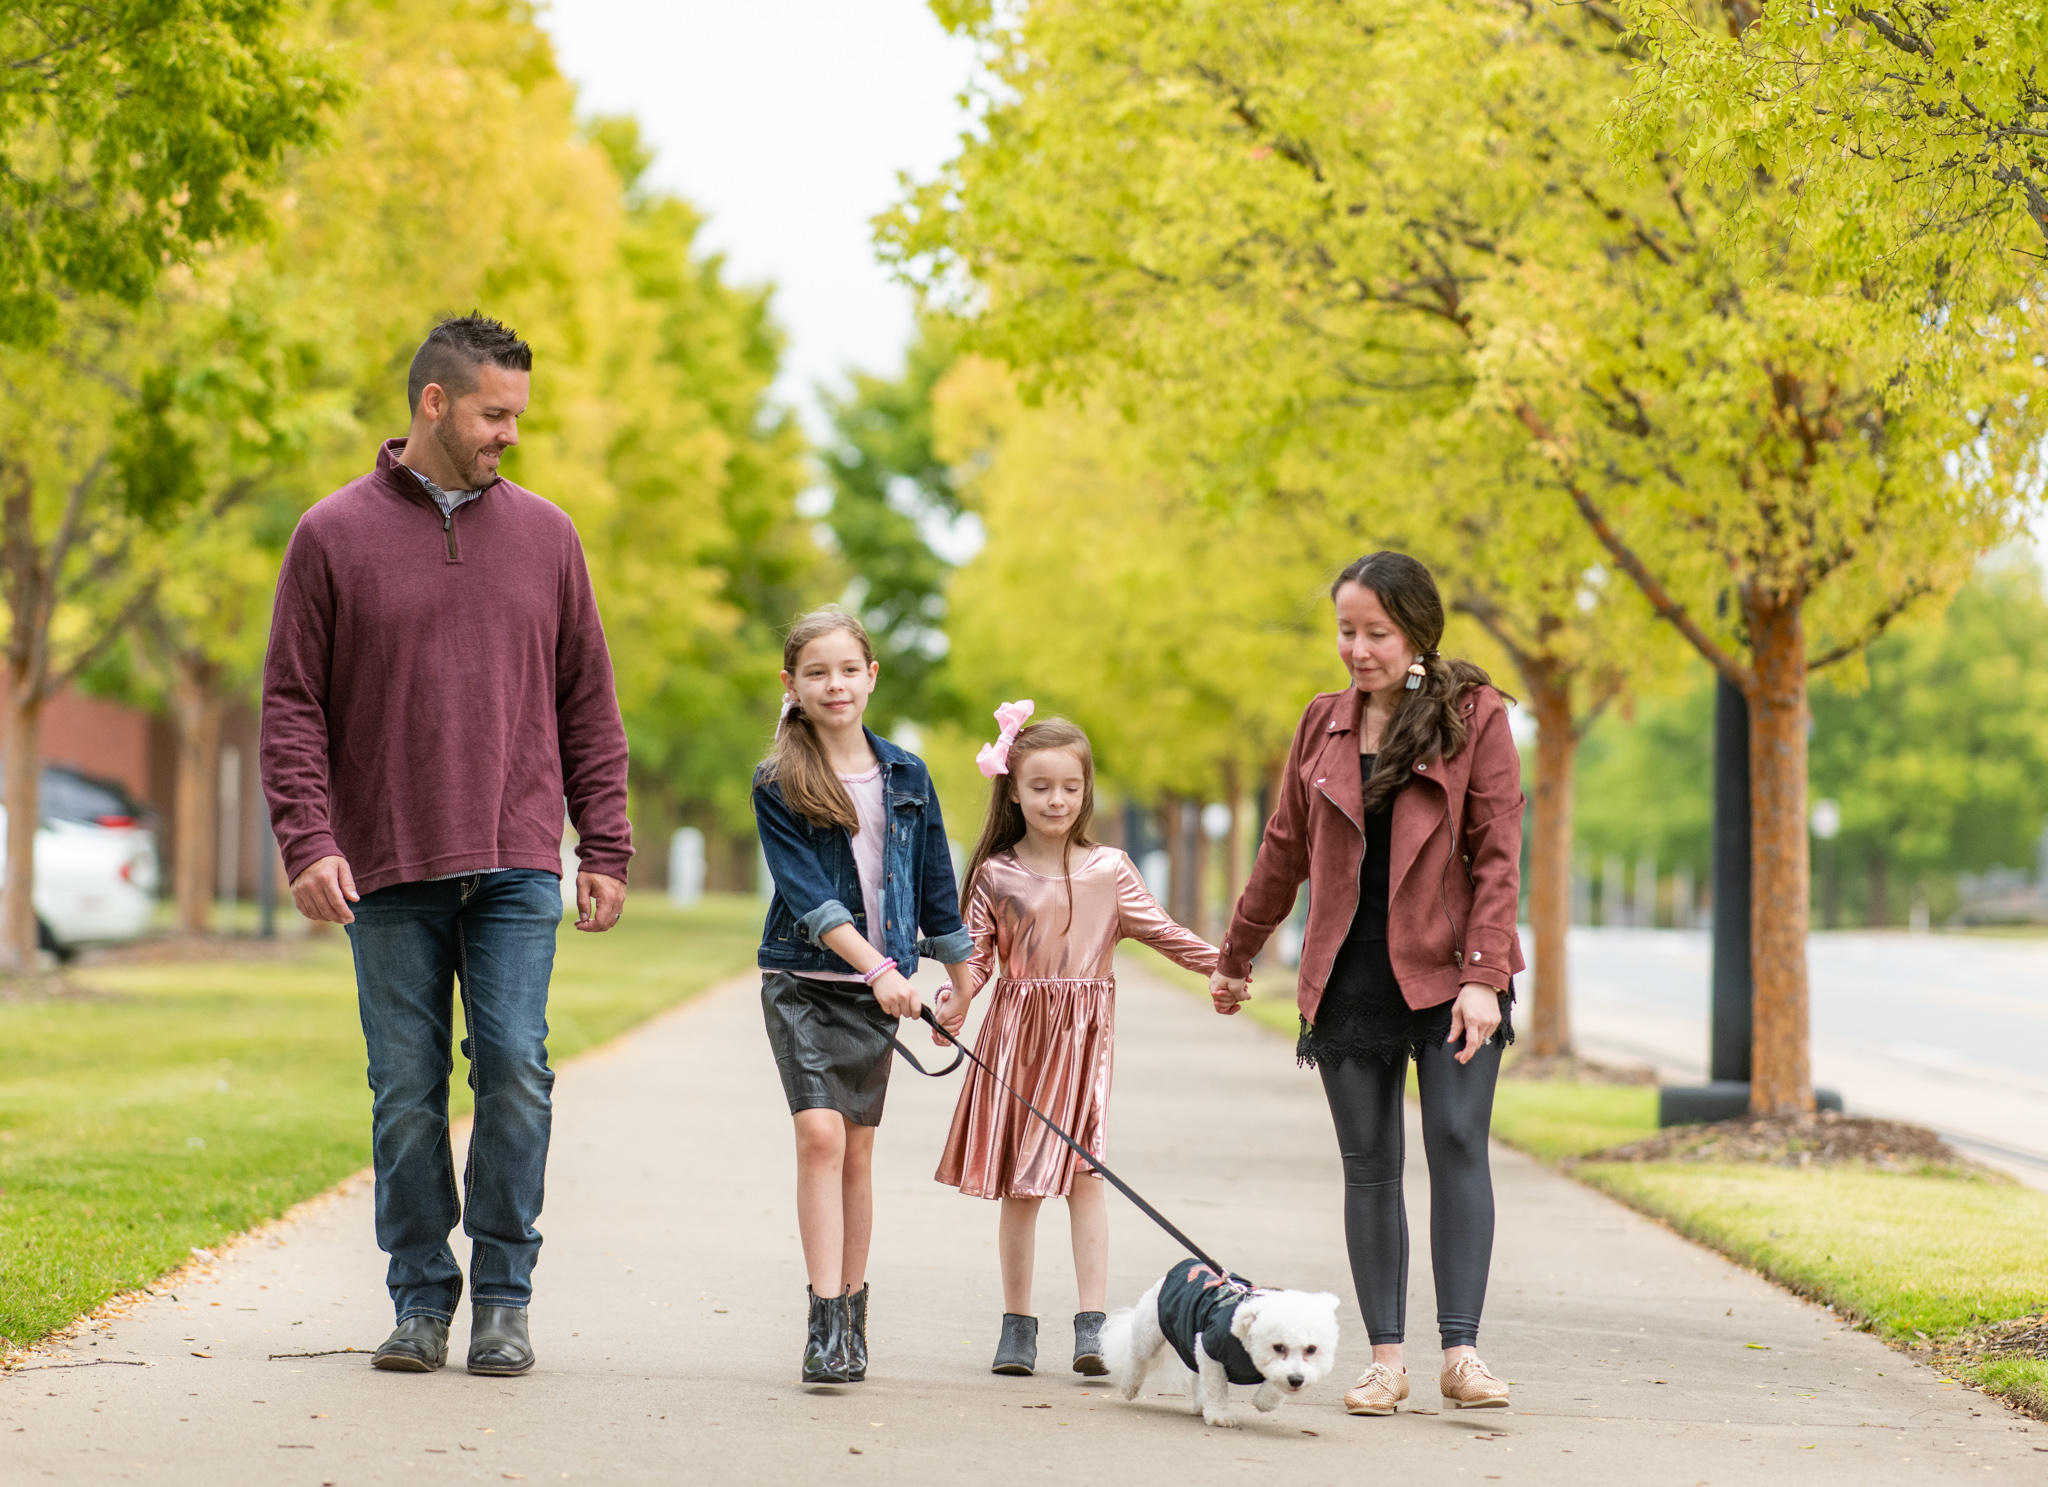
[469,467]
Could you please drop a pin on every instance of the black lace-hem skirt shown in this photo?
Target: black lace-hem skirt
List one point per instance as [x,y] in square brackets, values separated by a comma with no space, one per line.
[1363,1015]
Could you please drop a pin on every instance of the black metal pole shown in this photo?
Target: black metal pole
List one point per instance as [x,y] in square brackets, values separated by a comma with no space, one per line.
[266,880]
[1734,990]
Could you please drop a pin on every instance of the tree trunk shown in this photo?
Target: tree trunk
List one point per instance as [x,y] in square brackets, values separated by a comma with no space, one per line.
[197,710]
[1880,911]
[1170,823]
[21,780]
[1233,844]
[1550,859]
[1781,1076]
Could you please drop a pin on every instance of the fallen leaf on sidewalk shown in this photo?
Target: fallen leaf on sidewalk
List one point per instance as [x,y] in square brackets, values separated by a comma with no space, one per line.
[854,1451]
[202,1355]
[1761,1347]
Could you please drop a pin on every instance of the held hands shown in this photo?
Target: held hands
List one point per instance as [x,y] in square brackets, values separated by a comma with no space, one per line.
[1228,993]
[952,1003]
[1475,1017]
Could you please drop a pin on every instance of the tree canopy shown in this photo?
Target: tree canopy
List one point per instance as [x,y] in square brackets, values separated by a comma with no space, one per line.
[135,134]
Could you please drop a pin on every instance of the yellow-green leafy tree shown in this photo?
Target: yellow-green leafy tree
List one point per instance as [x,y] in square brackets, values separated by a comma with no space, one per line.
[136,140]
[1284,221]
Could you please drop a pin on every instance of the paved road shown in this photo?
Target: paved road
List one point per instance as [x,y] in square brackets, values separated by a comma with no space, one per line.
[1949,1031]
[670,1307]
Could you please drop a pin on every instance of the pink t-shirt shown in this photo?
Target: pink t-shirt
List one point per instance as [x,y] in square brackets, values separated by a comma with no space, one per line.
[866,790]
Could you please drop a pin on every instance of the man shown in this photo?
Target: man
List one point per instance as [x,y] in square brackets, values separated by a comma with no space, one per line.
[437,685]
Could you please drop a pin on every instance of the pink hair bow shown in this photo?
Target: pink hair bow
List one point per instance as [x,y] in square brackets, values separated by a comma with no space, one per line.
[994,758]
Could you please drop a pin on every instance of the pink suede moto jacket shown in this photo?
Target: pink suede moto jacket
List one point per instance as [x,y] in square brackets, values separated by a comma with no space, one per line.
[1456,871]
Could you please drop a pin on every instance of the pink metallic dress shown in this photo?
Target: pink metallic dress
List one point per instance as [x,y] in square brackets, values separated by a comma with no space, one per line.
[1051,1019]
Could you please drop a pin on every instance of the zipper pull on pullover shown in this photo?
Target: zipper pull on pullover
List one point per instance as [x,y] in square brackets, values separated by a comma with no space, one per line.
[448,531]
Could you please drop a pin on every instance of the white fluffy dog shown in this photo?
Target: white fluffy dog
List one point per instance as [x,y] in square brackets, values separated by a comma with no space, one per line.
[1226,1331]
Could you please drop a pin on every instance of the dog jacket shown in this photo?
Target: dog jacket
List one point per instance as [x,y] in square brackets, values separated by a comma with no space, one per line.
[1194,1301]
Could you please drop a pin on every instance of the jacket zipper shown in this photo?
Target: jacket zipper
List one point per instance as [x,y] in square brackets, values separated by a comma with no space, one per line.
[448,531]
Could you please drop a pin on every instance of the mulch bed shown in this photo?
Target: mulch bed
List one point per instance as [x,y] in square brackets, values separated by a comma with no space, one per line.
[1578,1070]
[1819,1140]
[158,950]
[2020,1337]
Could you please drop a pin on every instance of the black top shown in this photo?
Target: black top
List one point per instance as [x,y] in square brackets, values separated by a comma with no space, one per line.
[1363,1014]
[1370,923]
[1194,1301]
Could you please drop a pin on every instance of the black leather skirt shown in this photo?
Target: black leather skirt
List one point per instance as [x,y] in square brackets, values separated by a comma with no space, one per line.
[831,1042]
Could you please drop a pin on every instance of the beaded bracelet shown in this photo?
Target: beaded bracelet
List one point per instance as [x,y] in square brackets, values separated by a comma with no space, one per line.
[875,972]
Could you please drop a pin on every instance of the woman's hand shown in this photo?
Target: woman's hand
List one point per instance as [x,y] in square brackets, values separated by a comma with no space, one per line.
[1228,993]
[1475,1017]
[897,996]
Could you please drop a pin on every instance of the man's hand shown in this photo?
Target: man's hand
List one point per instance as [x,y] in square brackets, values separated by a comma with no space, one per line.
[1228,993]
[325,890]
[599,902]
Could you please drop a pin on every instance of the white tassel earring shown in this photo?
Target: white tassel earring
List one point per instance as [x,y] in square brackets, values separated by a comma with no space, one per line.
[1416,672]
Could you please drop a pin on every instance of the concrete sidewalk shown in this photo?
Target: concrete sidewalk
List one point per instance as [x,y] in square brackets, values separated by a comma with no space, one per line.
[670,1313]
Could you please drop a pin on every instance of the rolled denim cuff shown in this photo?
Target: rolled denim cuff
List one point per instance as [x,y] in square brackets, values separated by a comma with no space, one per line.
[822,920]
[948,950]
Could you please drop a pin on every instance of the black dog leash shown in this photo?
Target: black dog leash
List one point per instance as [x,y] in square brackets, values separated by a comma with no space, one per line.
[962,1051]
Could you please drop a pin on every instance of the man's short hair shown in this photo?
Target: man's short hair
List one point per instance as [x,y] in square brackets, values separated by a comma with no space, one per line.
[454,350]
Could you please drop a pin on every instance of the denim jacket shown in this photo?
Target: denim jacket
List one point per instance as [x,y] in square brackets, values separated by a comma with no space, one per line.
[816,879]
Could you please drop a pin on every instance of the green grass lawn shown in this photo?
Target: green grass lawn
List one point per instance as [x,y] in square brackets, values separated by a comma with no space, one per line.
[190,1100]
[1919,1260]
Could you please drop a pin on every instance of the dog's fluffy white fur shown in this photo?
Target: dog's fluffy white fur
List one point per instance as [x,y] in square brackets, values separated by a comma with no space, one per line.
[1290,1335]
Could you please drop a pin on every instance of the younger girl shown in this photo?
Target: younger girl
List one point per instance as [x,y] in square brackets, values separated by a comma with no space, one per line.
[1052,905]
[850,827]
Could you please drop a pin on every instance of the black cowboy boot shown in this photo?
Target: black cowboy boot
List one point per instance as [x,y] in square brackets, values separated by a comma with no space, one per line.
[825,1348]
[1088,1344]
[1017,1353]
[498,1345]
[857,1336]
[420,1345]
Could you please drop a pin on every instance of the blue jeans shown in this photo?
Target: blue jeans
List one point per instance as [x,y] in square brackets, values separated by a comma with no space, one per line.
[495,933]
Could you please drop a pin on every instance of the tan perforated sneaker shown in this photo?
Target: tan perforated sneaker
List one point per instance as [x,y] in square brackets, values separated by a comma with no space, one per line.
[1469,1385]
[1379,1391]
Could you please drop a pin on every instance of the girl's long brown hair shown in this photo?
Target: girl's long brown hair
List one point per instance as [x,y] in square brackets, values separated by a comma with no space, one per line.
[797,762]
[1004,826]
[1426,723]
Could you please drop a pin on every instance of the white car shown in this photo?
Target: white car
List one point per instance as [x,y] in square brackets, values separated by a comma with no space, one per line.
[96,864]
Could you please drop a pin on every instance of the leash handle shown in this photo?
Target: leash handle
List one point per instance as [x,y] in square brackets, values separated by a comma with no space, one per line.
[959,1052]
[1076,1147]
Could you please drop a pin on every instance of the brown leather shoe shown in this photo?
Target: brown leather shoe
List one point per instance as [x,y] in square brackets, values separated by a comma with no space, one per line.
[1469,1385]
[1379,1391]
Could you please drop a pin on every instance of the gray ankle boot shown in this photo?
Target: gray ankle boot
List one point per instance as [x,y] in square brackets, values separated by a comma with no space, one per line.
[1088,1344]
[1017,1353]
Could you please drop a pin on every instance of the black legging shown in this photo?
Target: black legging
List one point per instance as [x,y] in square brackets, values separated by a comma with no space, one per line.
[1457,1109]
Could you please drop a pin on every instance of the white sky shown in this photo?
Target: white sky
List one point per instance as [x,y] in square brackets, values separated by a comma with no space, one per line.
[787,122]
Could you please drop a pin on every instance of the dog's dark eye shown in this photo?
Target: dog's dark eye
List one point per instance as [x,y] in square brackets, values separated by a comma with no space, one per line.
[1280,1350]
[1309,1351]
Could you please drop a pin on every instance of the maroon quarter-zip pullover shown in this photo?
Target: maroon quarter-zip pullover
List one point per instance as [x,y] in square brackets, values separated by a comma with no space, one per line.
[436,686]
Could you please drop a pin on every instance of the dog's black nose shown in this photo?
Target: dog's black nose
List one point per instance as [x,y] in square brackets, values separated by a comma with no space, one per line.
[1294,1381]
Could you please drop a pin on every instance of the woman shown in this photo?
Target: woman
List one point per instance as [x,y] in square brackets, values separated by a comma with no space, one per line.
[1401,807]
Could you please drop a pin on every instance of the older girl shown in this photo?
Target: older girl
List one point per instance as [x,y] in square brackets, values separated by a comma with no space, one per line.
[850,827]
[1053,905]
[1401,806]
